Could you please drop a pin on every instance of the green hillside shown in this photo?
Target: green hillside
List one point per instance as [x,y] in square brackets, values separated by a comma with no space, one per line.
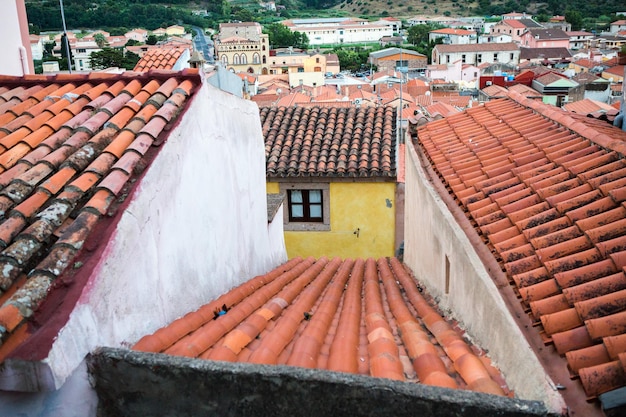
[151,14]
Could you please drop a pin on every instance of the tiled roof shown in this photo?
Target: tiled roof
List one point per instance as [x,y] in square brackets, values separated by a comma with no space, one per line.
[367,317]
[545,53]
[587,77]
[547,191]
[549,34]
[587,106]
[293,99]
[329,142]
[525,90]
[617,70]
[478,47]
[530,23]
[550,78]
[455,100]
[71,146]
[159,58]
[584,62]
[451,31]
[440,109]
[494,91]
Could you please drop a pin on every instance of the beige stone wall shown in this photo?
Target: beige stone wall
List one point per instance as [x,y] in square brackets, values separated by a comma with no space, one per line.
[443,258]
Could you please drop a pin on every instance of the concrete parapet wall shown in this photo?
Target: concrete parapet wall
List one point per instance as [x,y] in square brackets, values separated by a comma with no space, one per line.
[132,383]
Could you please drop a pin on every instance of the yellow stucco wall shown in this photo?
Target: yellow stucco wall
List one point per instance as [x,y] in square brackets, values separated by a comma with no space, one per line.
[368,207]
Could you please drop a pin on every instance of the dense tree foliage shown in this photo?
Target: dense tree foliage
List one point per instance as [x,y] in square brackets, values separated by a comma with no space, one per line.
[586,8]
[352,58]
[281,36]
[46,15]
[113,57]
[418,36]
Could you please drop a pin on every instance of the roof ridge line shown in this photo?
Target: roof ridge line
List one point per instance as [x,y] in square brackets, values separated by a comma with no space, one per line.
[567,121]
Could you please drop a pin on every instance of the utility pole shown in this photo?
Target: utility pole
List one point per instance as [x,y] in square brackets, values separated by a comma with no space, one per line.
[67,41]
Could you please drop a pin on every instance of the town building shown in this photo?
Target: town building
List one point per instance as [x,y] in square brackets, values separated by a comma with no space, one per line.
[243,47]
[452,36]
[337,31]
[398,59]
[477,54]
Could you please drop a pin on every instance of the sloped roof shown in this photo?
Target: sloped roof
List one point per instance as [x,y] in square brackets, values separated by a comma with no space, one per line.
[383,53]
[587,106]
[478,47]
[495,91]
[549,34]
[329,142]
[551,78]
[441,109]
[71,148]
[159,58]
[292,99]
[587,77]
[353,316]
[547,191]
[544,53]
[452,31]
[525,90]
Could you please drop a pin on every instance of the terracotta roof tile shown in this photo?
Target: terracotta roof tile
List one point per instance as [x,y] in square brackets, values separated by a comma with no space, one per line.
[556,220]
[67,141]
[159,58]
[360,316]
[329,141]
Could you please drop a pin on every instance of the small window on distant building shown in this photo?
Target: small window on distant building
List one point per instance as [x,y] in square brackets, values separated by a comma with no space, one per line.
[512,56]
[463,58]
[479,58]
[495,57]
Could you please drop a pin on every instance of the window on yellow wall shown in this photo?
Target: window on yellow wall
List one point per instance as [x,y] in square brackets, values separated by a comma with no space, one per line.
[307,206]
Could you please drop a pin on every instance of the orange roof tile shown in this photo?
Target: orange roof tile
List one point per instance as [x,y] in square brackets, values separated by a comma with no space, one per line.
[546,189]
[367,317]
[588,106]
[61,171]
[329,141]
[159,58]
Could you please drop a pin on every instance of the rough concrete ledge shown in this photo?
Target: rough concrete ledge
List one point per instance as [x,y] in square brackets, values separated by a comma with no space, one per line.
[130,383]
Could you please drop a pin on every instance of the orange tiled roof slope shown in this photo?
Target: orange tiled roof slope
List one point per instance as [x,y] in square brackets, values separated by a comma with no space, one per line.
[70,146]
[547,190]
[159,59]
[329,141]
[359,316]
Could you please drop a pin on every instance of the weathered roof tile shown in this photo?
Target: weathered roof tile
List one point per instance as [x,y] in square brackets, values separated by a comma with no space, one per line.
[56,180]
[565,252]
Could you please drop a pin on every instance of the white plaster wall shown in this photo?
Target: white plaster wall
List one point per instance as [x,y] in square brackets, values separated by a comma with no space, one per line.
[277,238]
[431,233]
[196,227]
[10,33]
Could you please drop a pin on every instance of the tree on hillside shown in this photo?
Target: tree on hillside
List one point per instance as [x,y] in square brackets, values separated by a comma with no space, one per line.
[281,36]
[575,18]
[418,36]
[100,40]
[113,57]
[351,58]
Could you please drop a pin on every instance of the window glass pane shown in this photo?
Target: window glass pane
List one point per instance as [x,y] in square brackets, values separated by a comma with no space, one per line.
[316,210]
[315,196]
[296,196]
[296,210]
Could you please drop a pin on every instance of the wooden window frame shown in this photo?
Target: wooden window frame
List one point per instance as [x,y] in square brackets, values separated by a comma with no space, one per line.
[306,224]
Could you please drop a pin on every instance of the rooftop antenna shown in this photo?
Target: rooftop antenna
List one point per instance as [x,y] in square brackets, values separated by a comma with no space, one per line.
[67,41]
